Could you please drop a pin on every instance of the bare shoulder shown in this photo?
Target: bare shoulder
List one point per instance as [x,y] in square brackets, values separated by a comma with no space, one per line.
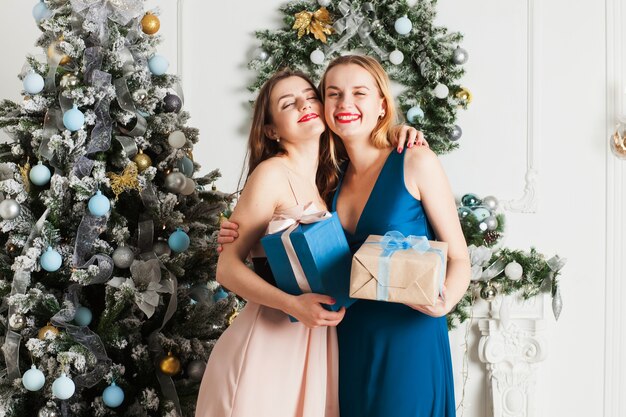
[270,171]
[420,159]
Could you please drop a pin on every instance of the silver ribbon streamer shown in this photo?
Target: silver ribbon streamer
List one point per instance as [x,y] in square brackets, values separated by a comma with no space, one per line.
[89,229]
[356,22]
[555,264]
[21,281]
[101,133]
[125,101]
[100,11]
[129,146]
[494,269]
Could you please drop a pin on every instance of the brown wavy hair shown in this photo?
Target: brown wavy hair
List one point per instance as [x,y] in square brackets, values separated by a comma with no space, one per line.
[380,135]
[261,147]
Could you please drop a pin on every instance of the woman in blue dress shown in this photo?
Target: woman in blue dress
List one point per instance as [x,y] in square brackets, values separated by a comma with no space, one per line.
[394,359]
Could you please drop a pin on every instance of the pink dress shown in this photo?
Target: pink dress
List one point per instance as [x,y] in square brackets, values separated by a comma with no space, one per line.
[264,365]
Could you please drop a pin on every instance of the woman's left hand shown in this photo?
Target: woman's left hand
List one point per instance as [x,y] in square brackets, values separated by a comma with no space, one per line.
[440,309]
[408,136]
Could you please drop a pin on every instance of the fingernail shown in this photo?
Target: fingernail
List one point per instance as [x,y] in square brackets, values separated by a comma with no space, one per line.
[333,301]
[399,149]
[410,145]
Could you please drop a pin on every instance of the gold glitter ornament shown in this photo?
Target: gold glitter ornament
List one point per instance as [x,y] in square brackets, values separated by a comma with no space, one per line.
[150,24]
[69,80]
[170,365]
[233,316]
[317,23]
[464,96]
[24,171]
[49,328]
[143,161]
[125,181]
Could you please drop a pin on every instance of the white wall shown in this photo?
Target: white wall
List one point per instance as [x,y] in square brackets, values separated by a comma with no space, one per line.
[556,105]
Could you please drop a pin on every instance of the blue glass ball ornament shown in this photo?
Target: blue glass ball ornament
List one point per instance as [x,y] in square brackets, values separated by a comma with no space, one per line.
[113,396]
[414,113]
[178,241]
[33,379]
[185,166]
[63,387]
[470,200]
[73,119]
[220,295]
[99,205]
[39,174]
[481,213]
[83,316]
[50,260]
[158,65]
[403,25]
[33,83]
[41,11]
[464,212]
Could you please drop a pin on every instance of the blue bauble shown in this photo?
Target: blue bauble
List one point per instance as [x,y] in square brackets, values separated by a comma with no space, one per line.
[185,166]
[470,200]
[179,241]
[158,65]
[463,212]
[50,260]
[83,316]
[73,119]
[113,396]
[414,112]
[481,213]
[63,387]
[33,379]
[403,25]
[99,205]
[220,295]
[39,174]
[41,11]
[33,83]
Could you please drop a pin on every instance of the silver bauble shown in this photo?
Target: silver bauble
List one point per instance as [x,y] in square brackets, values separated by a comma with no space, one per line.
[460,56]
[9,209]
[491,222]
[557,304]
[514,271]
[490,202]
[195,370]
[49,410]
[189,188]
[140,95]
[488,292]
[123,257]
[456,133]
[175,181]
[69,80]
[161,247]
[260,54]
[17,322]
[323,3]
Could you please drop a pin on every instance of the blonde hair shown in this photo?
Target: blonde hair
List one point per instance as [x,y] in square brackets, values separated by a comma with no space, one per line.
[380,135]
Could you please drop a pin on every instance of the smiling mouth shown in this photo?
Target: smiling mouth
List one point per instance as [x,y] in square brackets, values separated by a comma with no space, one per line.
[347,117]
[307,117]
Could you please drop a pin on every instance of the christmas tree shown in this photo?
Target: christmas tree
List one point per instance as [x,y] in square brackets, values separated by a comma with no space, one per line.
[108,238]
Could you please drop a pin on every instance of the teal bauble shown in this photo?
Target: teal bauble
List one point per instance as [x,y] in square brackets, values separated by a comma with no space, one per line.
[220,295]
[178,241]
[470,200]
[113,396]
[414,113]
[73,119]
[39,174]
[464,212]
[158,65]
[41,11]
[99,205]
[50,260]
[33,379]
[83,316]
[481,213]
[403,26]
[33,83]
[63,387]
[185,166]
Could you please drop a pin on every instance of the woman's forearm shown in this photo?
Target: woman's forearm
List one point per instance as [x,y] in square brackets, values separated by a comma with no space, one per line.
[458,273]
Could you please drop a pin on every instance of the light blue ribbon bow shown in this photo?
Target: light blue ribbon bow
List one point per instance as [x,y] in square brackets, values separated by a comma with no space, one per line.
[395,241]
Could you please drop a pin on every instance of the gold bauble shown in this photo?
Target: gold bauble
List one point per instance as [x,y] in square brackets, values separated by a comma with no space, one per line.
[150,24]
[69,80]
[54,51]
[45,329]
[190,154]
[143,161]
[464,95]
[170,365]
[233,316]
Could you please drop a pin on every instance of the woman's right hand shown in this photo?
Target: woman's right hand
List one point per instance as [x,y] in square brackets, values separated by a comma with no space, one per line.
[228,234]
[307,308]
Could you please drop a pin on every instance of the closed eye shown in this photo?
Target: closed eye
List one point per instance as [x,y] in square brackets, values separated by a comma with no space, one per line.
[288,105]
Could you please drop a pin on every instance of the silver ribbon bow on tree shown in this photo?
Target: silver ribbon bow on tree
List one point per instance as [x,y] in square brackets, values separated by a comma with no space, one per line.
[356,22]
[98,11]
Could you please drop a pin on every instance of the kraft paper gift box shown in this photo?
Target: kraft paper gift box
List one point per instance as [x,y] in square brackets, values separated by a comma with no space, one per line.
[310,253]
[398,269]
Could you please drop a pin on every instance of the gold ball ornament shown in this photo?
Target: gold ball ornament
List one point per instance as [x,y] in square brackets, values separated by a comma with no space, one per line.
[150,24]
[49,328]
[143,161]
[233,316]
[69,80]
[464,96]
[54,51]
[170,365]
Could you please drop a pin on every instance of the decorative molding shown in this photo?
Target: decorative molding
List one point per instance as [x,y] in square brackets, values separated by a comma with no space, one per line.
[528,202]
[615,291]
[179,38]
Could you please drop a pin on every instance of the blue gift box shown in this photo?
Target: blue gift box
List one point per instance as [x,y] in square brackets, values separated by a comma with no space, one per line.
[323,252]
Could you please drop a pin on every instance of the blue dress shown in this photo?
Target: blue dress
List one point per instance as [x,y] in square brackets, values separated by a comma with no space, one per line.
[393,360]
